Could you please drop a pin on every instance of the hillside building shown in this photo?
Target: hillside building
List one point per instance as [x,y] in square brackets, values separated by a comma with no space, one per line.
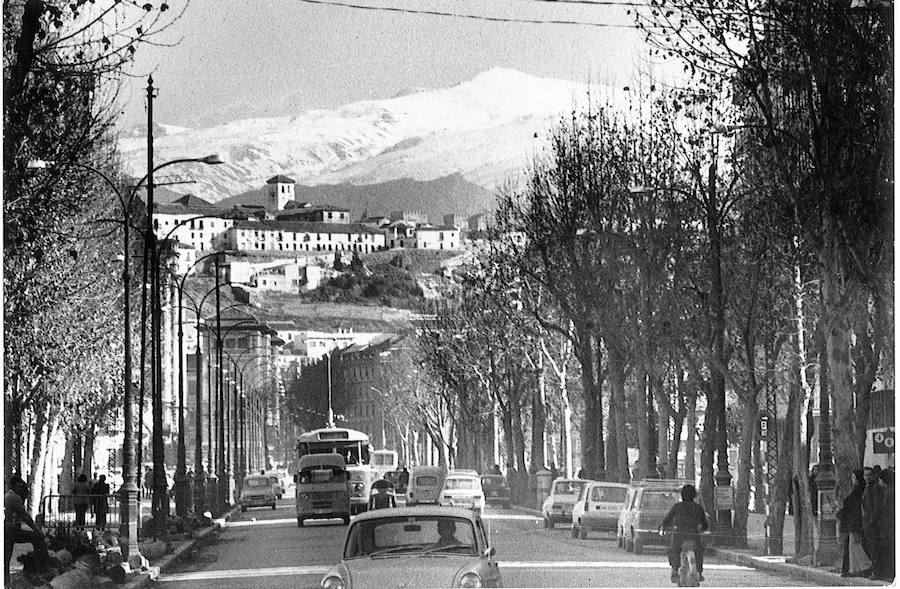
[400,234]
[310,213]
[478,222]
[298,236]
[193,222]
[279,192]
[437,238]
[415,217]
[454,220]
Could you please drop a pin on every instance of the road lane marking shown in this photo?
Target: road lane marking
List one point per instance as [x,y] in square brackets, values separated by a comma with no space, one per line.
[511,516]
[245,573]
[321,570]
[261,522]
[573,564]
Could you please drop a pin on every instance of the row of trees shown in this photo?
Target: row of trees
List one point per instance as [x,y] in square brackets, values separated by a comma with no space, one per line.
[728,240]
[63,323]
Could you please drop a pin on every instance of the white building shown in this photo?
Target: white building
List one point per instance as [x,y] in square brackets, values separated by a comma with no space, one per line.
[437,238]
[193,222]
[296,236]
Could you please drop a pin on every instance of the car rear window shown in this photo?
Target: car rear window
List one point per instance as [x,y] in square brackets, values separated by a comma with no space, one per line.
[568,487]
[460,484]
[609,494]
[492,482]
[256,483]
[659,499]
[427,481]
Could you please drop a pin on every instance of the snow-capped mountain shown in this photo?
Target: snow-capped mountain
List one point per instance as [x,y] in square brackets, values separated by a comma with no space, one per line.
[486,129]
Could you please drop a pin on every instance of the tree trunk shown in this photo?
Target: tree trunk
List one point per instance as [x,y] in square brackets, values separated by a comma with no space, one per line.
[87,463]
[707,458]
[617,409]
[690,443]
[783,482]
[538,421]
[508,436]
[662,440]
[38,456]
[11,444]
[50,462]
[642,417]
[593,458]
[519,436]
[749,415]
[67,476]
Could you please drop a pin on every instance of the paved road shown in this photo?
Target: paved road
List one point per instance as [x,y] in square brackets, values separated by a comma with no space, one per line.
[263,548]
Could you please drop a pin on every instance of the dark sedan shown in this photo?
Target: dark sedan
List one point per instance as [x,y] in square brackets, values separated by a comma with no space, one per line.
[496,490]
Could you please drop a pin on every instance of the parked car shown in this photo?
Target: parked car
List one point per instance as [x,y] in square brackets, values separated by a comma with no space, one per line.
[257,491]
[385,548]
[462,490]
[279,486]
[646,505]
[424,485]
[598,508]
[496,490]
[557,508]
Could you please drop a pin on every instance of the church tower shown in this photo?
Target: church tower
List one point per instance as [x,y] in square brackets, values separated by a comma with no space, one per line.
[279,192]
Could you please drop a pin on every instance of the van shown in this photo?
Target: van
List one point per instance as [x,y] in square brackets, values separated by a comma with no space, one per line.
[323,488]
[598,508]
[425,483]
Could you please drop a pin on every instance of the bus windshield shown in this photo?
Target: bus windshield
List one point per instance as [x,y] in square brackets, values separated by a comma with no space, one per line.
[354,453]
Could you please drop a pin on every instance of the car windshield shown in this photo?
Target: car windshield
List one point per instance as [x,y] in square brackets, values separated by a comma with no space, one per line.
[426,481]
[659,499]
[321,475]
[567,487]
[256,483]
[452,484]
[608,494]
[412,534]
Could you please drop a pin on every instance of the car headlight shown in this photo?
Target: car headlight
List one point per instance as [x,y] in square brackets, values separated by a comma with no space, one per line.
[470,580]
[304,496]
[335,582]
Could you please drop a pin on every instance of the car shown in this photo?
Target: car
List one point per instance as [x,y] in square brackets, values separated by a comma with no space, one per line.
[462,490]
[646,505]
[557,508]
[598,508]
[496,490]
[409,547]
[257,491]
[424,486]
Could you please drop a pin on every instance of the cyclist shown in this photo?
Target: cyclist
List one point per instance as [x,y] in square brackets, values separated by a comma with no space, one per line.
[688,518]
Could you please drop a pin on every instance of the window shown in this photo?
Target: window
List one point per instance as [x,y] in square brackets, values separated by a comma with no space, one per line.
[201,223]
[329,214]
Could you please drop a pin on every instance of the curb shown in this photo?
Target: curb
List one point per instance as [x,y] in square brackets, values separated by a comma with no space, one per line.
[144,578]
[794,570]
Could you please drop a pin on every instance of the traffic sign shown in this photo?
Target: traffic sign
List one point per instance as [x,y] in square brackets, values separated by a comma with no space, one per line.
[883,442]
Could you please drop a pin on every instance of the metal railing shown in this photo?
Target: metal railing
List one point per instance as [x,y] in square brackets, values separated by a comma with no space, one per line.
[81,511]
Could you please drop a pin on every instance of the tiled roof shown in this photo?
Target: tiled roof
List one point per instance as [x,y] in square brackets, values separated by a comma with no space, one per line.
[437,228]
[280,179]
[306,227]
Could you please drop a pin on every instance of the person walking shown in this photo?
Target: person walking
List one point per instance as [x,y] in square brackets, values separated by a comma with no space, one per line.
[873,521]
[100,490]
[856,562]
[148,481]
[814,489]
[887,477]
[14,515]
[82,492]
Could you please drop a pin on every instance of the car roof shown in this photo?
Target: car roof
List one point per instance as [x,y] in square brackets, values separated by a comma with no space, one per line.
[417,511]
[569,480]
[493,476]
[264,477]
[605,484]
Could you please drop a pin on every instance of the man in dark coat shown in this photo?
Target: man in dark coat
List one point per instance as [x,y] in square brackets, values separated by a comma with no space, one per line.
[873,521]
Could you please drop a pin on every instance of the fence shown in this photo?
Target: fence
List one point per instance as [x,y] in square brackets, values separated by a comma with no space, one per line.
[80,511]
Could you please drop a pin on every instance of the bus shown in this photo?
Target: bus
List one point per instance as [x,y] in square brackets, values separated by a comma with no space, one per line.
[357,452]
[384,461]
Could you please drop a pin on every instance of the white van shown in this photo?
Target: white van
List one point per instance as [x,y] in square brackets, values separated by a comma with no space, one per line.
[425,483]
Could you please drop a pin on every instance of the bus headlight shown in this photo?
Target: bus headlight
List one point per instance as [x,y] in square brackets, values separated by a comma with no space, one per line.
[304,496]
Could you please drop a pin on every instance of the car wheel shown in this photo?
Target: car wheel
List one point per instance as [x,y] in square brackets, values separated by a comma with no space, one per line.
[629,544]
[506,505]
[347,520]
[273,505]
[547,523]
[299,522]
[574,530]
[638,544]
[619,541]
[582,533]
[243,508]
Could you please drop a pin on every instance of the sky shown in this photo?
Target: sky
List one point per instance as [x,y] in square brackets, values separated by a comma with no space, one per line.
[236,59]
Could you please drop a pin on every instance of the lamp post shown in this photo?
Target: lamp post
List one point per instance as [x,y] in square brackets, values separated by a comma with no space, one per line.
[182,483]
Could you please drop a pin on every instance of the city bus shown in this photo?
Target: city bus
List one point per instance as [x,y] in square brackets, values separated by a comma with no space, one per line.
[354,446]
[384,461]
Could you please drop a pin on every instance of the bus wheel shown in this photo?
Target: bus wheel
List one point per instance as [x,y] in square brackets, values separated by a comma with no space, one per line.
[299,522]
[347,520]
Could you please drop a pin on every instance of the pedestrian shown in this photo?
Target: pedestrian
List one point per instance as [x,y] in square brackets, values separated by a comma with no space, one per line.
[582,474]
[404,478]
[887,477]
[873,521]
[553,472]
[82,492]
[856,562]
[148,481]
[14,515]
[496,470]
[100,490]
[814,489]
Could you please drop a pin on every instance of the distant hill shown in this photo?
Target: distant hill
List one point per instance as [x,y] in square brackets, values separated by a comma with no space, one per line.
[447,195]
